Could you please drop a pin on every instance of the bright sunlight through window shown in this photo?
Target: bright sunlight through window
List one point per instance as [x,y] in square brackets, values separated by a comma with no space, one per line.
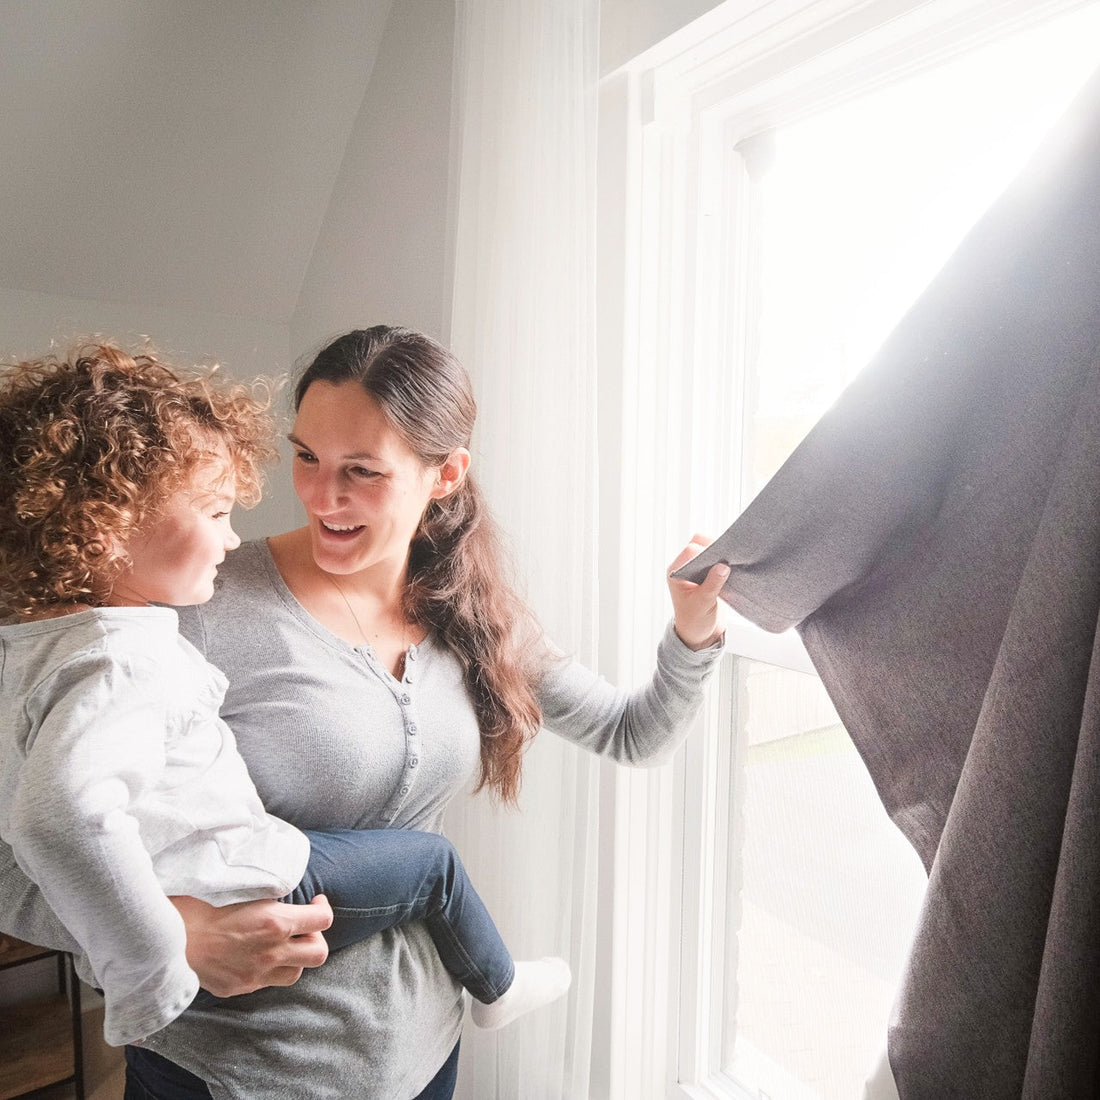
[863,205]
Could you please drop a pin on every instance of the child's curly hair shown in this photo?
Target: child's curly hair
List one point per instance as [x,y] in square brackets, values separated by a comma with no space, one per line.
[92,444]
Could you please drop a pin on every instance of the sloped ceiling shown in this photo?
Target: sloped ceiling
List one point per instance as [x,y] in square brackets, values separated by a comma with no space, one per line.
[175,152]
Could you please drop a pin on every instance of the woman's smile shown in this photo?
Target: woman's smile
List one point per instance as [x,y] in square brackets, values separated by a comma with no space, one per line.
[341,529]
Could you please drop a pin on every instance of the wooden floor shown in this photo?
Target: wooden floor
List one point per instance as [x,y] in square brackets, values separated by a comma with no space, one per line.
[36,1029]
[104,1068]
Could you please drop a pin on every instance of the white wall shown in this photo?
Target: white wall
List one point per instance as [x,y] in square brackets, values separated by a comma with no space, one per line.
[381,255]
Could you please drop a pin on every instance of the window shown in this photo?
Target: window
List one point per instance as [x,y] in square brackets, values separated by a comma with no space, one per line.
[794,178]
[815,895]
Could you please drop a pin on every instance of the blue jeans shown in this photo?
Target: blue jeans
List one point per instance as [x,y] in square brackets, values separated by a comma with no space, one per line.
[151,1077]
[378,878]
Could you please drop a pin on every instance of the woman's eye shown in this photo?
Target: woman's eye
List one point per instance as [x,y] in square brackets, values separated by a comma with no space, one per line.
[220,515]
[362,471]
[304,456]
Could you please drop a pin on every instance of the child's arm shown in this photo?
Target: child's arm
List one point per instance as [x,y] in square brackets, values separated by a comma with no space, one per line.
[97,745]
[233,949]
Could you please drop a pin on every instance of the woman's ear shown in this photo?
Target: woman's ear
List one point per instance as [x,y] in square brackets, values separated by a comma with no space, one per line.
[452,473]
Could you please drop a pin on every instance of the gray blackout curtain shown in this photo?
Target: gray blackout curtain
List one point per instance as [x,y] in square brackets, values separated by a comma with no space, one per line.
[936,539]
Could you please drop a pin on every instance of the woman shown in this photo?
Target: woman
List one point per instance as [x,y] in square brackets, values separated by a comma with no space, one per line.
[376,660]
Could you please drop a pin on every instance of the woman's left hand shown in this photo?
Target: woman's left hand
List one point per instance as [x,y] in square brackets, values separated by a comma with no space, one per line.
[698,616]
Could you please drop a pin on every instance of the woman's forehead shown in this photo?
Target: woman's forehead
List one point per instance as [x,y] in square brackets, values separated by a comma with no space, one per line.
[345,421]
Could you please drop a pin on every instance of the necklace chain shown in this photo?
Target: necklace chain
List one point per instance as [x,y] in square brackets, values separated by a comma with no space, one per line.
[355,618]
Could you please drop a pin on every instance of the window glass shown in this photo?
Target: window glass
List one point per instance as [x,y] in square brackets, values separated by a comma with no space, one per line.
[829,894]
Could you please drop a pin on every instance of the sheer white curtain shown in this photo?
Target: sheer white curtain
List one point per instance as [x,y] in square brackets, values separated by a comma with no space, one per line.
[524,209]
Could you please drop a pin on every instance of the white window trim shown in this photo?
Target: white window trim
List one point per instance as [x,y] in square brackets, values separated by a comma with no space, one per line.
[665,831]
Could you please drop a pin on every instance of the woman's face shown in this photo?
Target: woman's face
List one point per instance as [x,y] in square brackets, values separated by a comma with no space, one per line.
[363,488]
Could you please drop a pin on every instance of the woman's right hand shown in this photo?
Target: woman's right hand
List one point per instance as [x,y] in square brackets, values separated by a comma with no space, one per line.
[240,948]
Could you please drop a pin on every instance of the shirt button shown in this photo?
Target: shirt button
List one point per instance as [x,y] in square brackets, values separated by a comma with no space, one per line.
[404,790]
[412,727]
[413,762]
[412,653]
[406,699]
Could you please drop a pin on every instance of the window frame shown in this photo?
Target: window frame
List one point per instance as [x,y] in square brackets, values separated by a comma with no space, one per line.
[671,245]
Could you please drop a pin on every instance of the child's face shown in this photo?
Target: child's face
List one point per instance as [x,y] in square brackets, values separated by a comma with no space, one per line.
[175,557]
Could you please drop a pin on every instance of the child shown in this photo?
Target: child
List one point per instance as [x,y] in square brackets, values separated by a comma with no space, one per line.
[119,783]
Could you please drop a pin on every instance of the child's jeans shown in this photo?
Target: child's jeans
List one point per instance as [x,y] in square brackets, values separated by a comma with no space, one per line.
[377,878]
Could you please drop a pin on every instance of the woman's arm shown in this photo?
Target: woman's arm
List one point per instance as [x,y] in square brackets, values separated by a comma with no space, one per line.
[644,726]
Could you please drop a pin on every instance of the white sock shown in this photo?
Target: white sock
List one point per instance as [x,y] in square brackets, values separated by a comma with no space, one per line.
[535,984]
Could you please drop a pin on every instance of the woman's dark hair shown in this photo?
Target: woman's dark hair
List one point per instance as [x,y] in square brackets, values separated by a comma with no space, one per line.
[457,583]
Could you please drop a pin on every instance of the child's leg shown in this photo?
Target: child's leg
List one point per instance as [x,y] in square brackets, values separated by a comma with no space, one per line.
[378,878]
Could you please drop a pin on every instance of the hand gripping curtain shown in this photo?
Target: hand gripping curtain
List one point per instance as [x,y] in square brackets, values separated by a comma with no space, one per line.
[936,539]
[524,209]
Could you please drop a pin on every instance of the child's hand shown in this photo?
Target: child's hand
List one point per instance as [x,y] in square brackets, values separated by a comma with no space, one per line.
[240,948]
[698,616]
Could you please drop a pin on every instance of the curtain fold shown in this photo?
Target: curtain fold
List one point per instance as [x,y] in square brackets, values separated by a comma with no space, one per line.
[523,172]
[936,539]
